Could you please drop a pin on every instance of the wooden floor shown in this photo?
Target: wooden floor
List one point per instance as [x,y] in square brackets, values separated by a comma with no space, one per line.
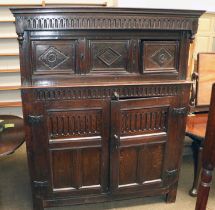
[15,192]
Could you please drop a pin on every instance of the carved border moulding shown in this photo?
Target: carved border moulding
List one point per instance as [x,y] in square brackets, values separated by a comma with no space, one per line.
[104,22]
[104,92]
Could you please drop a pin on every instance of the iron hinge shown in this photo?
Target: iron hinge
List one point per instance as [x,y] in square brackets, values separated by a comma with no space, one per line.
[180,111]
[35,119]
[40,183]
[173,172]
[115,142]
[116,96]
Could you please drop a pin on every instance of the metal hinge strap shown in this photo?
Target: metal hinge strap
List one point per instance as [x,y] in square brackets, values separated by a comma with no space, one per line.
[172,172]
[180,111]
[34,119]
[40,183]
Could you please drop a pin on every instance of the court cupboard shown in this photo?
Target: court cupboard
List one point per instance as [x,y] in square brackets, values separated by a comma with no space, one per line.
[105,99]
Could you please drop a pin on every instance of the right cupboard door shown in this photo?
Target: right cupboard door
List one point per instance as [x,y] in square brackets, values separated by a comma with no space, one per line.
[143,136]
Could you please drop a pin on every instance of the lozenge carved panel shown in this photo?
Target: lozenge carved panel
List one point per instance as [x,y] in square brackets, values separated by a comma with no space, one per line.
[108,55]
[53,57]
[160,56]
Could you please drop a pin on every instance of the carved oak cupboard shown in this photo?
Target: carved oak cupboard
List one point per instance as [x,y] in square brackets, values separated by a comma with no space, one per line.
[105,99]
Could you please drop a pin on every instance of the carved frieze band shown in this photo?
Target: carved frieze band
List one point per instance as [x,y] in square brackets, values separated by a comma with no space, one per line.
[145,120]
[105,92]
[78,122]
[104,22]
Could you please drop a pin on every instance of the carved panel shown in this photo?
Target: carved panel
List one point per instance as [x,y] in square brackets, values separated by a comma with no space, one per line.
[53,57]
[80,122]
[108,55]
[160,56]
[106,92]
[144,120]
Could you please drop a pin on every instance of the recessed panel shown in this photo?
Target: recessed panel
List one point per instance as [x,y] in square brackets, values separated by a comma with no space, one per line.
[108,55]
[160,56]
[64,175]
[76,169]
[128,165]
[141,164]
[152,158]
[53,57]
[91,166]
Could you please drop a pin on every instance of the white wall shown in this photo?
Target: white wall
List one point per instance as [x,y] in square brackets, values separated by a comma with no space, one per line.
[208,5]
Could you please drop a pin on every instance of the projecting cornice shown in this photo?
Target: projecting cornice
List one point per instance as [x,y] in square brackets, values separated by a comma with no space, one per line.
[105,18]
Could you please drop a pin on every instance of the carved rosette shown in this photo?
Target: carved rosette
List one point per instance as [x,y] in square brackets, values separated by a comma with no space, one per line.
[52,58]
[161,57]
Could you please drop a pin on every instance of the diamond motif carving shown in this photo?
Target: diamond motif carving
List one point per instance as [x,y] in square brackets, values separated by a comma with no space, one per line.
[161,57]
[108,56]
[52,57]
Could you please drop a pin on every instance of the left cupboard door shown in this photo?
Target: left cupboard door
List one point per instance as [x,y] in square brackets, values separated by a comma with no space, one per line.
[75,137]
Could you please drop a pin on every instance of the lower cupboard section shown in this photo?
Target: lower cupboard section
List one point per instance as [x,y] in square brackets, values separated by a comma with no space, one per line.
[75,170]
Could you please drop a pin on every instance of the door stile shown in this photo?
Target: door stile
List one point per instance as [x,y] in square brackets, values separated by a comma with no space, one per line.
[114,145]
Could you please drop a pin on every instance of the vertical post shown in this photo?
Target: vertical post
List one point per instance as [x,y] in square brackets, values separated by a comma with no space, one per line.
[208,157]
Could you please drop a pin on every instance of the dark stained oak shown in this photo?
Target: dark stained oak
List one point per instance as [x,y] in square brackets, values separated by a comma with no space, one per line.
[105,99]
[208,157]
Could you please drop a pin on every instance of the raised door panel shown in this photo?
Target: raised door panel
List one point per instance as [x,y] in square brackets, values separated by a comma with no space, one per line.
[141,164]
[78,146]
[140,138]
[76,169]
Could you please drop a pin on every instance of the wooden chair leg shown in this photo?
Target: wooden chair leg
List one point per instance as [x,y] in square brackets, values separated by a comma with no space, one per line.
[203,190]
[197,157]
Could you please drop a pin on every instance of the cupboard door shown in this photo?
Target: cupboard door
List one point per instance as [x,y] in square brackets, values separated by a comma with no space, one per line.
[140,136]
[78,146]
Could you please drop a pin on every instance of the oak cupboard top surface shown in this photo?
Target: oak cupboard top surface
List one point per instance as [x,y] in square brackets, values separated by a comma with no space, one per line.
[106,10]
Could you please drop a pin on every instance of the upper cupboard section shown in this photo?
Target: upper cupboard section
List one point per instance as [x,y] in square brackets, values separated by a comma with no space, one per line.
[109,44]
[109,55]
